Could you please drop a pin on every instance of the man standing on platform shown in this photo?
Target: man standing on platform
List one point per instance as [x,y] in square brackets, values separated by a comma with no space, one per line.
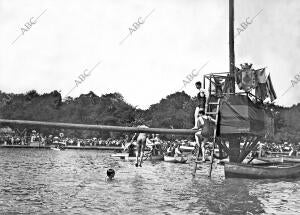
[201,102]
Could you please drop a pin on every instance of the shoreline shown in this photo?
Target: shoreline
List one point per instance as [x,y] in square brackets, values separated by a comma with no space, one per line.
[104,148]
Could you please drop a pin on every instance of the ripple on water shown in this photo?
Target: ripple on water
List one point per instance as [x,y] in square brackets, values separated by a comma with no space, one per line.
[73,182]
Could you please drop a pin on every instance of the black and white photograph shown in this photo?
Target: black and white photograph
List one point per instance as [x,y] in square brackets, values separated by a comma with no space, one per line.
[149,107]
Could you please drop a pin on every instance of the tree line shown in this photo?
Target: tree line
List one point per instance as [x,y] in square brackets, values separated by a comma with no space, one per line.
[174,111]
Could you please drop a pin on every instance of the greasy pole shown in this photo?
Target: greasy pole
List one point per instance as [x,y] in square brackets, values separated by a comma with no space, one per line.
[100,127]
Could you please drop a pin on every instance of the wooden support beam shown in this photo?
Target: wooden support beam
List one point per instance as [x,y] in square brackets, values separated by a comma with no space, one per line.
[223,147]
[244,151]
[245,146]
[234,149]
[244,154]
[100,127]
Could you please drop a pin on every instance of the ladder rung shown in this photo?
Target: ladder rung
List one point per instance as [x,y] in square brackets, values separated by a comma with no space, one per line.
[199,161]
[212,113]
[213,103]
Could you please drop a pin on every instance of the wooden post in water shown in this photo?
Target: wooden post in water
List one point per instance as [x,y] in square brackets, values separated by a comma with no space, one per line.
[234,149]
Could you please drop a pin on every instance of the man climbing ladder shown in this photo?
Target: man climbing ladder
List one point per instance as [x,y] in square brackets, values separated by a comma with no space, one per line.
[206,130]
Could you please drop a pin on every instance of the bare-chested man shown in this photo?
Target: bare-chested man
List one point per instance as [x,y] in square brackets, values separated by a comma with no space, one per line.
[142,139]
[205,130]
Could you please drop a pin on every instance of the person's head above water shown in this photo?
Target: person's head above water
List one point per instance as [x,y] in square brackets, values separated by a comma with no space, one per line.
[110,173]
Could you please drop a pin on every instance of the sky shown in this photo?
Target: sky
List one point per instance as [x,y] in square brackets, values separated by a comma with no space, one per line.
[77,46]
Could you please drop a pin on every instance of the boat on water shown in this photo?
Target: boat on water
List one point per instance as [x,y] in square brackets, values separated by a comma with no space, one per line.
[55,149]
[237,170]
[257,161]
[126,157]
[175,159]
[187,148]
[58,148]
[291,159]
[264,160]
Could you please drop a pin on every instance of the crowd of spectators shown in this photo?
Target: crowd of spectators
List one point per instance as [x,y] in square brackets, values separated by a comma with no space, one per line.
[43,140]
[280,148]
[9,139]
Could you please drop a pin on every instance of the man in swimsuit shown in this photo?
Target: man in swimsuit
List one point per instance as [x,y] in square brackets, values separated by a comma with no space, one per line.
[201,102]
[205,131]
[142,138]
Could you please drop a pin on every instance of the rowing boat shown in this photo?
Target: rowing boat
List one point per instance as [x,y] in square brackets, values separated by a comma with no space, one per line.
[234,170]
[258,161]
[126,157]
[146,158]
[264,160]
[187,148]
[271,159]
[175,159]
[120,155]
[291,159]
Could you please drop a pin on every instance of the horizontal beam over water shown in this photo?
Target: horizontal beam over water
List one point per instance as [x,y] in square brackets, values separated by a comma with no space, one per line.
[102,148]
[100,127]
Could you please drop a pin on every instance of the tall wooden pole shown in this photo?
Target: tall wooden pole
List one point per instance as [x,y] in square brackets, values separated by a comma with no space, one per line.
[234,142]
[231,46]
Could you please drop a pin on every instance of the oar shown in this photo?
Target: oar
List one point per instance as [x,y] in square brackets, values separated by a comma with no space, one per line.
[126,146]
[250,160]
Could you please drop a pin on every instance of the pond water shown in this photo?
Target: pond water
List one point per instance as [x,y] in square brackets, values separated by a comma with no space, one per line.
[34,181]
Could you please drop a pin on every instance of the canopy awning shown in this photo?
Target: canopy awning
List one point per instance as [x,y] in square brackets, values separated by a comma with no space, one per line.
[240,115]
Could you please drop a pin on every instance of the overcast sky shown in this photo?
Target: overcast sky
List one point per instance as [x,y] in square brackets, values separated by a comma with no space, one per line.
[73,36]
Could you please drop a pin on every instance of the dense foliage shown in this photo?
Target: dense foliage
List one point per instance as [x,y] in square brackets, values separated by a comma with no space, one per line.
[174,111]
[110,109]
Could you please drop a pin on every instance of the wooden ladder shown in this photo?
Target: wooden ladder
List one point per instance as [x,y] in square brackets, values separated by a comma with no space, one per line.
[216,114]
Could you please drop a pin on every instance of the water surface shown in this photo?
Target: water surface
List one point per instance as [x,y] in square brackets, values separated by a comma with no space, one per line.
[34,181]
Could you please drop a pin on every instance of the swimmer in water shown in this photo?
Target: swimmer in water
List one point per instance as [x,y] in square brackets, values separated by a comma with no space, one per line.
[142,138]
[110,174]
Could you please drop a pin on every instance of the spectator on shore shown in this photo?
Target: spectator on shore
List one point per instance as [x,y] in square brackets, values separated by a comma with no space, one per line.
[171,150]
[178,152]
